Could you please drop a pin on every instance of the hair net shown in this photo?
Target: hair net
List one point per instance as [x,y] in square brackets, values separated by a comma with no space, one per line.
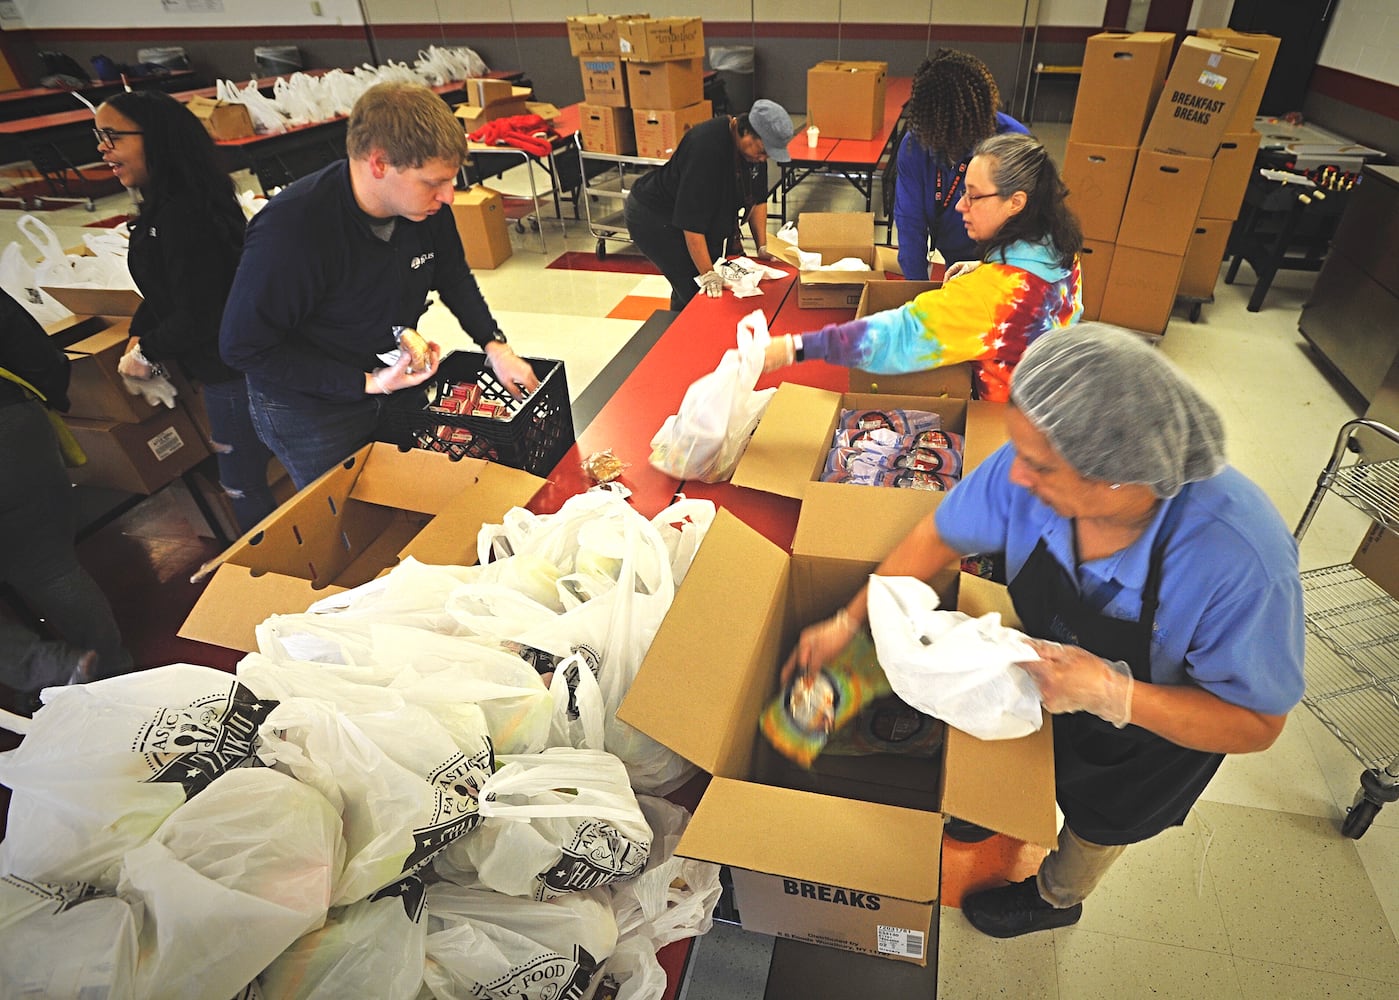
[1116,409]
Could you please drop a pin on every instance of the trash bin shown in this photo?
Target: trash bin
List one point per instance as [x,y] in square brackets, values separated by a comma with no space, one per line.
[277,60]
[734,66]
[172,57]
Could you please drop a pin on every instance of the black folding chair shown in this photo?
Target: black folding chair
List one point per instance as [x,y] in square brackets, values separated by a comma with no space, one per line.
[62,175]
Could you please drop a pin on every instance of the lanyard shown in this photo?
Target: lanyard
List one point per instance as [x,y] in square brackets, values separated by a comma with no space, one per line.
[943,202]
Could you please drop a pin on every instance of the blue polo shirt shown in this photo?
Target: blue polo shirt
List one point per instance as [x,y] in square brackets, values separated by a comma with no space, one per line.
[1230,617]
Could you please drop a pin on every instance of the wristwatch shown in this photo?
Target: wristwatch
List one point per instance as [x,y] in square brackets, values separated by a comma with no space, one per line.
[798,348]
[496,338]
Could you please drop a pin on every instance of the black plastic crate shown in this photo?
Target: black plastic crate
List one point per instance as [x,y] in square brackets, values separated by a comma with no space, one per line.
[533,435]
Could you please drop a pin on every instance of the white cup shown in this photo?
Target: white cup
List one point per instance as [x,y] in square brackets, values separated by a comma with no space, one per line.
[812,134]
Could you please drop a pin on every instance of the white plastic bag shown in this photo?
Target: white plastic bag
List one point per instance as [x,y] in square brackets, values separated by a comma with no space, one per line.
[718,413]
[556,822]
[104,764]
[483,944]
[18,280]
[674,897]
[375,947]
[632,973]
[229,881]
[682,526]
[955,668]
[65,941]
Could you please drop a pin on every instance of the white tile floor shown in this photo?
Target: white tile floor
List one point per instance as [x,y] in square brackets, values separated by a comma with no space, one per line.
[1258,896]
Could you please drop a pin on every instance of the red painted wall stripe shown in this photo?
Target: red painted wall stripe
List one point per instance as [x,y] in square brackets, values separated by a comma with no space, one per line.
[1375,96]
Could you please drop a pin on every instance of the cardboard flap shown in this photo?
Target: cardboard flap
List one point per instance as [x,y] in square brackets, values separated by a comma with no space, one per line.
[791,441]
[711,663]
[817,838]
[824,527]
[825,229]
[412,479]
[986,431]
[97,301]
[449,539]
[235,603]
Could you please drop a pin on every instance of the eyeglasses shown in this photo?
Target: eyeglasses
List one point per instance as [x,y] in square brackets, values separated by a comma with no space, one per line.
[107,137]
[978,197]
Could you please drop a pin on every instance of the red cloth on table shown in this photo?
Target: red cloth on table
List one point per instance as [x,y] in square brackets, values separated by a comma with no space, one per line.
[528,132]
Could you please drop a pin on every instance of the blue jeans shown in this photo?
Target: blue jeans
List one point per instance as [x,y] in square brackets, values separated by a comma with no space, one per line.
[242,456]
[37,559]
[310,436]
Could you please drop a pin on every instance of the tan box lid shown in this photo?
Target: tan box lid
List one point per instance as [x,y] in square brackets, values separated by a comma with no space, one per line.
[97,301]
[881,849]
[791,441]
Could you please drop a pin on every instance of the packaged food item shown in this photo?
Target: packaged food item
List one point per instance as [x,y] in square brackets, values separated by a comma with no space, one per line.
[415,344]
[603,466]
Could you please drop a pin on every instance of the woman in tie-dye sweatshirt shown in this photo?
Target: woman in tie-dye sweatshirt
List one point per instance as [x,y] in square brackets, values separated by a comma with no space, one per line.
[988,311]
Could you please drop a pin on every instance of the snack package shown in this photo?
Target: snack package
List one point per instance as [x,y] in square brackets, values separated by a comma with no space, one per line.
[898,421]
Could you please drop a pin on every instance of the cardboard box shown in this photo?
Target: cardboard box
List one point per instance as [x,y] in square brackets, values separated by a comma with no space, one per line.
[1098,178]
[1378,558]
[97,301]
[655,39]
[1163,202]
[1094,262]
[846,99]
[1196,105]
[659,132]
[1122,77]
[137,458]
[835,235]
[95,390]
[1141,289]
[597,34]
[607,129]
[473,116]
[879,294]
[810,866]
[480,218]
[482,92]
[362,517]
[678,83]
[1203,256]
[605,81]
[222,119]
[1266,48]
[1229,176]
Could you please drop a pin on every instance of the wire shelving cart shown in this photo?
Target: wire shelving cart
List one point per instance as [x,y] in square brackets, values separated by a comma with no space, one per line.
[1352,659]
[607,181]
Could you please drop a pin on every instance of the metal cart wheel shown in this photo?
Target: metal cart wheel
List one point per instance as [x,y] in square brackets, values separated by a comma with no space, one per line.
[1195,311]
[601,249]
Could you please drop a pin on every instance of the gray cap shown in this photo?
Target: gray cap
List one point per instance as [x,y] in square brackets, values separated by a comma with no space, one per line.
[774,126]
[1117,409]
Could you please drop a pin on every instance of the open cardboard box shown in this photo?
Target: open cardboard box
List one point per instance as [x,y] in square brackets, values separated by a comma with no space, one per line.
[835,235]
[97,301]
[94,345]
[857,875]
[880,294]
[474,117]
[359,519]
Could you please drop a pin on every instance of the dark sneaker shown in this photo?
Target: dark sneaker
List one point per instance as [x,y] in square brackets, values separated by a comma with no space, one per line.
[964,832]
[1016,909]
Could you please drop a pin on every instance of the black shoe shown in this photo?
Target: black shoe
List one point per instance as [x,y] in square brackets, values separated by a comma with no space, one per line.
[1016,909]
[965,832]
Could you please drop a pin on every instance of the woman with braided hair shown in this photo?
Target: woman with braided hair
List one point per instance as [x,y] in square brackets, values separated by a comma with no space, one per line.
[953,107]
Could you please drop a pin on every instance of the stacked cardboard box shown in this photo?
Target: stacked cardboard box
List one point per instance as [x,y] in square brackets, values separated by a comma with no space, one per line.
[845,100]
[1139,162]
[643,81]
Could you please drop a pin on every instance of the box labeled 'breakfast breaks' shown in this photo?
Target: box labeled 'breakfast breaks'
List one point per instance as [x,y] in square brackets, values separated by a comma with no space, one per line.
[360,518]
[655,39]
[677,83]
[1094,262]
[1197,103]
[607,130]
[1266,46]
[880,294]
[604,81]
[1229,175]
[1123,73]
[1141,289]
[846,99]
[829,869]
[835,236]
[1163,202]
[1098,178]
[1203,257]
[659,131]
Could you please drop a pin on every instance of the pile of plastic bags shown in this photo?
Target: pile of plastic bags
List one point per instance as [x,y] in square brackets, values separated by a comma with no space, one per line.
[103,266]
[416,788]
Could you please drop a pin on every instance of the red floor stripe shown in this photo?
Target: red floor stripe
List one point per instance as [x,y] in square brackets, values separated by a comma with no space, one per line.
[621,263]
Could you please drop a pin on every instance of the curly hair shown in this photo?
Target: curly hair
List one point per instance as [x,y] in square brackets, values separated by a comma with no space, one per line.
[953,104]
[1021,163]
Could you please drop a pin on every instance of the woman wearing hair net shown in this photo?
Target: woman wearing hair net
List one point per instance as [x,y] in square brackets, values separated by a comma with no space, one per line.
[1159,585]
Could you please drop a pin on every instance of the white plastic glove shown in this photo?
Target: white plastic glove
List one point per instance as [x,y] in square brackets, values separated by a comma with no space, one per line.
[514,372]
[960,268]
[1071,679]
[712,282]
[155,389]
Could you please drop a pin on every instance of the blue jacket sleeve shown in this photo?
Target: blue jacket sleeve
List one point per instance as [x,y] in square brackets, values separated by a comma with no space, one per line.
[910,218]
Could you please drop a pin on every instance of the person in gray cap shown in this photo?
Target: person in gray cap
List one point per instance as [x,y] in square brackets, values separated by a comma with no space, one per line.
[1158,585]
[681,214]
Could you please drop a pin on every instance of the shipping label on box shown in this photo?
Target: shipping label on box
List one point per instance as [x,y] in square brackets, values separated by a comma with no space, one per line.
[660,38]
[137,458]
[1197,103]
[607,129]
[1141,289]
[605,81]
[659,132]
[1163,202]
[1094,261]
[1229,176]
[1122,77]
[678,83]
[481,224]
[1266,47]
[1098,178]
[845,100]
[596,34]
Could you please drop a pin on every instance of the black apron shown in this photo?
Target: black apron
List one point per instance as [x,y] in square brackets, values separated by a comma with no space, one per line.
[1115,786]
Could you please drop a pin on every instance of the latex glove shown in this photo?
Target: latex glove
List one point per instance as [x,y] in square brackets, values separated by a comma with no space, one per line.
[514,372]
[401,374]
[133,364]
[712,282]
[1071,679]
[960,268]
[780,353]
[818,645]
[155,389]
[767,255]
